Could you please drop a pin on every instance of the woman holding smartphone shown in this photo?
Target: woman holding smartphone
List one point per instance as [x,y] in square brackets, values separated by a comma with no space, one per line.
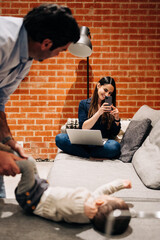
[96,113]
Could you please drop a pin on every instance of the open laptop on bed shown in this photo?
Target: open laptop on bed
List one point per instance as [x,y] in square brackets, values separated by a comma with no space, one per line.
[85,137]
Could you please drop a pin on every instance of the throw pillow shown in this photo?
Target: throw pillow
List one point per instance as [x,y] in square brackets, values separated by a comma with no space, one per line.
[133,138]
[147,112]
[146,160]
[72,123]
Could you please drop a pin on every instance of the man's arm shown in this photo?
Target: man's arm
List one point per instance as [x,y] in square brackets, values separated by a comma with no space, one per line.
[4,128]
[6,136]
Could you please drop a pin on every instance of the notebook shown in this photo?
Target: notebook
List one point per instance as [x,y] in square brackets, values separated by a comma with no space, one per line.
[85,137]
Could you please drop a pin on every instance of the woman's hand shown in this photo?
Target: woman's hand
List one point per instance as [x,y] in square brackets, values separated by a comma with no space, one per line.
[104,108]
[89,123]
[115,113]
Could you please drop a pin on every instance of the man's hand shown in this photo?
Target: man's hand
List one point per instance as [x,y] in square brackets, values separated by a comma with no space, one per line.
[17,147]
[7,164]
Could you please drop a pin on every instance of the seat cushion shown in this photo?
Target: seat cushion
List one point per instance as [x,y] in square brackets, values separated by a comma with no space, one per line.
[73,171]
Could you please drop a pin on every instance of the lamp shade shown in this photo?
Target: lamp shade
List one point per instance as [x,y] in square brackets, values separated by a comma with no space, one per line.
[82,48]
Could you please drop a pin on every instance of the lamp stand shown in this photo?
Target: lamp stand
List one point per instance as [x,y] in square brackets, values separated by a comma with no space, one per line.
[87,77]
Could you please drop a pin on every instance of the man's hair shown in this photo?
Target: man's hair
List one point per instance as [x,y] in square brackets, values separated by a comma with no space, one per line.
[100,220]
[53,22]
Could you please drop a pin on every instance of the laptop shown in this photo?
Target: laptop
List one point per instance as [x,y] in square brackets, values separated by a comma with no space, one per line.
[85,137]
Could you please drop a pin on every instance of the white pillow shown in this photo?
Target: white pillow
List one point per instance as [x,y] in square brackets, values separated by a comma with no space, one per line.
[146,160]
[147,112]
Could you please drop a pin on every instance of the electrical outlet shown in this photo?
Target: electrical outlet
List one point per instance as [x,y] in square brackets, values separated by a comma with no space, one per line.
[20,142]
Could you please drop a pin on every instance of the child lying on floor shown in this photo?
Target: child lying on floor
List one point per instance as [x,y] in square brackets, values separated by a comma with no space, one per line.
[77,205]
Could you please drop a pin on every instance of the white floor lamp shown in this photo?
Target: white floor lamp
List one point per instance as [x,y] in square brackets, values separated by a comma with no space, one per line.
[83,48]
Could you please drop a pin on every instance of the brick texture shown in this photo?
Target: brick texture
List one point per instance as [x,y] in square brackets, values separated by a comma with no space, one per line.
[126,45]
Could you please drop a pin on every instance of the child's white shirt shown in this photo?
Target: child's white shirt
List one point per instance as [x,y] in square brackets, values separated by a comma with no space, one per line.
[59,203]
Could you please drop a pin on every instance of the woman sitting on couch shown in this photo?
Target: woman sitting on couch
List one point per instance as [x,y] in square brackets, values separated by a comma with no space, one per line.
[95,113]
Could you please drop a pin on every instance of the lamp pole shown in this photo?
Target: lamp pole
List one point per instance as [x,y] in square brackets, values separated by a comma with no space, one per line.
[87,77]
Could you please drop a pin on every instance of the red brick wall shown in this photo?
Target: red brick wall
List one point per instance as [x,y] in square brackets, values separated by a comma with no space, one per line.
[126,45]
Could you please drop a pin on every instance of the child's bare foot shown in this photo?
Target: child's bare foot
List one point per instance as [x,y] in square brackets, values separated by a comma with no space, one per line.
[127,183]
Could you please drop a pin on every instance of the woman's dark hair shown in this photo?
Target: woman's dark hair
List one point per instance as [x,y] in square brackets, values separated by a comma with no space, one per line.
[120,224]
[94,101]
[53,22]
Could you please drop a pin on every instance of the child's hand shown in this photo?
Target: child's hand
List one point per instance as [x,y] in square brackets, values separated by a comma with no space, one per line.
[127,183]
[90,209]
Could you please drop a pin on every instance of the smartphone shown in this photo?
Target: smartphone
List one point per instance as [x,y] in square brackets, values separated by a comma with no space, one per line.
[108,99]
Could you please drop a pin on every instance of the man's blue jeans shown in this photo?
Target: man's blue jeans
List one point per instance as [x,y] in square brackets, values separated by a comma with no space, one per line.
[111,149]
[2,188]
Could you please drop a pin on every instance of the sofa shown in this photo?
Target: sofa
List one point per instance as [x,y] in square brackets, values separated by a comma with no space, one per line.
[139,161]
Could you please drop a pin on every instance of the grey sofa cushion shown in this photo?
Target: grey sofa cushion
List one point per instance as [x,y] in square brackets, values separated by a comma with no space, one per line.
[146,160]
[73,171]
[147,112]
[133,138]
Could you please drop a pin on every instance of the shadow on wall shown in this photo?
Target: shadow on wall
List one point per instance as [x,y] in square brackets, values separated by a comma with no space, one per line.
[77,92]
